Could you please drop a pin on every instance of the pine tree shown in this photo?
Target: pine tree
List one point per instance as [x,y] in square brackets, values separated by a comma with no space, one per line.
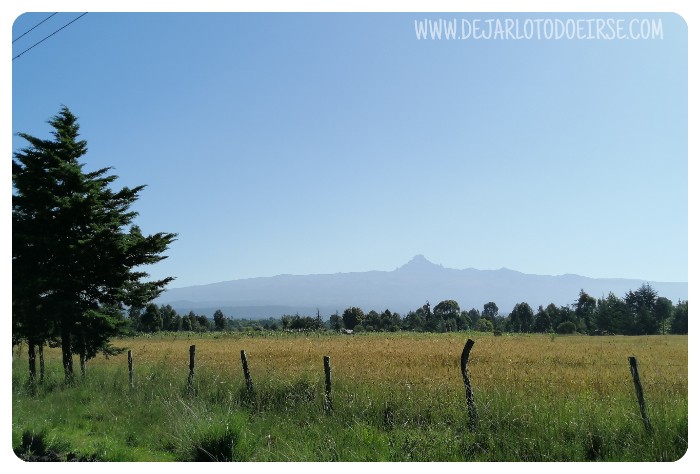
[219,320]
[680,318]
[542,322]
[75,250]
[642,304]
[612,316]
[585,309]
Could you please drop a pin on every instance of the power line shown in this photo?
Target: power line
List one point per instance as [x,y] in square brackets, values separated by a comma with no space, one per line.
[49,36]
[13,41]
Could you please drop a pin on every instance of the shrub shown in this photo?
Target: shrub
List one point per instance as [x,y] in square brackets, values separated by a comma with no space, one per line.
[567,327]
[484,325]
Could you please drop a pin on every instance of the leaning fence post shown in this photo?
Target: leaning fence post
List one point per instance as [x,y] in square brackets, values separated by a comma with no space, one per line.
[640,393]
[467,384]
[327,404]
[246,373]
[190,378]
[131,370]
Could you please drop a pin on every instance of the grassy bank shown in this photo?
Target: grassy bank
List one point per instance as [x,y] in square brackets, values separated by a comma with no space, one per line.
[396,397]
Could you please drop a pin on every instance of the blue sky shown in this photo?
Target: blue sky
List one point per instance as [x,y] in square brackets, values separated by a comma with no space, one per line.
[322,143]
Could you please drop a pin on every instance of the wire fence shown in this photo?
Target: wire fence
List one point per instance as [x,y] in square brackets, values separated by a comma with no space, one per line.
[505,391]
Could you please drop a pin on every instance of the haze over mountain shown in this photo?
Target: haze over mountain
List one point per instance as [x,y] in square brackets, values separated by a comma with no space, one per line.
[401,290]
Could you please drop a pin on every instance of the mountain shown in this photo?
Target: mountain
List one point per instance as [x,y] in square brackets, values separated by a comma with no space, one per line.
[401,290]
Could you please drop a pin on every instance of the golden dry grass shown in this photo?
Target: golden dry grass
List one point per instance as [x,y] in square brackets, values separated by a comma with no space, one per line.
[560,365]
[395,396]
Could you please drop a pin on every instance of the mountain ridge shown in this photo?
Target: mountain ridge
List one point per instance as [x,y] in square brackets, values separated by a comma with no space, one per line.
[403,289]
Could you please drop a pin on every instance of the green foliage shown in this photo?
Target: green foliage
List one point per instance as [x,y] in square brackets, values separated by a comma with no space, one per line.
[390,321]
[490,311]
[542,323]
[213,439]
[414,321]
[352,317]
[474,316]
[447,309]
[585,310]
[613,316]
[336,322]
[186,324]
[484,325]
[32,443]
[151,320]
[39,445]
[567,327]
[372,321]
[77,257]
[642,305]
[610,315]
[219,320]
[301,323]
[663,312]
[255,324]
[521,318]
[169,317]
[680,320]
[446,317]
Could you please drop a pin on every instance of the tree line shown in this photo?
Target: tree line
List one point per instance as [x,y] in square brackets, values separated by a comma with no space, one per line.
[639,312]
[154,318]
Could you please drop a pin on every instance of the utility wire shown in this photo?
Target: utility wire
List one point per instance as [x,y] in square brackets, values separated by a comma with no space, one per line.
[13,41]
[49,36]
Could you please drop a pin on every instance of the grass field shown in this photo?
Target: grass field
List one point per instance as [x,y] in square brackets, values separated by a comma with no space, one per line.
[396,397]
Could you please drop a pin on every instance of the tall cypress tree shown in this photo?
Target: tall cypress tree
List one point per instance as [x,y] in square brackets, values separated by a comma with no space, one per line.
[642,304]
[76,255]
[680,318]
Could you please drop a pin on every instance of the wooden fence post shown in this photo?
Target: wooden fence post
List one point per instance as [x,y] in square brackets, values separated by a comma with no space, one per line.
[640,393]
[131,370]
[467,384]
[327,404]
[246,373]
[190,378]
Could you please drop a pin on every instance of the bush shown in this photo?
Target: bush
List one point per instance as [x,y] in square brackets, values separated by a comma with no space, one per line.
[567,327]
[484,325]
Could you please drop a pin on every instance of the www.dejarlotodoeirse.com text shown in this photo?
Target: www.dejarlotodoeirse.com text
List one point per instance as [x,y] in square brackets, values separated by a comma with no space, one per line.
[539,29]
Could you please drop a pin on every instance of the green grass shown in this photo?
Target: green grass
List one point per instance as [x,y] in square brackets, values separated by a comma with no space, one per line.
[283,420]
